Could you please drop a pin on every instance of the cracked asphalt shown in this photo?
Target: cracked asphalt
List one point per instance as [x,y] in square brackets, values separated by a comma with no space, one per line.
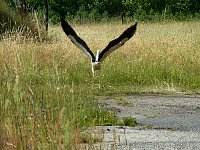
[165,122]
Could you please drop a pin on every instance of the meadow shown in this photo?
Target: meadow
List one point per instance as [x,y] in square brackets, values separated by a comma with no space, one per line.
[48,95]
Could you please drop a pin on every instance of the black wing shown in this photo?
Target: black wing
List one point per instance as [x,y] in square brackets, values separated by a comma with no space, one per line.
[115,44]
[76,39]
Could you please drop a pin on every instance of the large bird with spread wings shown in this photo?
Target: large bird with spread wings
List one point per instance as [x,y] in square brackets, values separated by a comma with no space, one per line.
[112,46]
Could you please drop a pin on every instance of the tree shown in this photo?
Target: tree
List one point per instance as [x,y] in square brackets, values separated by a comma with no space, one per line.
[47,16]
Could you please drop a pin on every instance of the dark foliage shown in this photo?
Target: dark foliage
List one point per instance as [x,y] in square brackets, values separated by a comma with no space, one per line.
[95,10]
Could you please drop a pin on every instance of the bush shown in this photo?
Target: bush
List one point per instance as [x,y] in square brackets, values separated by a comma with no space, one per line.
[129,121]
[11,20]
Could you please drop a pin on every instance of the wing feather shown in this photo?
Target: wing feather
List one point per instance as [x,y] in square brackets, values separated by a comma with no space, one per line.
[76,39]
[116,43]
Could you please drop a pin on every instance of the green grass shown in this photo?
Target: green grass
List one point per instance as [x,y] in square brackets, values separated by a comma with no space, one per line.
[46,89]
[129,121]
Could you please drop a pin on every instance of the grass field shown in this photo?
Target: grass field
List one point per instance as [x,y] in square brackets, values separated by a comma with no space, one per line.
[47,94]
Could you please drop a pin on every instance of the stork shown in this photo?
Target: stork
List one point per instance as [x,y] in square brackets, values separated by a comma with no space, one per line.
[112,46]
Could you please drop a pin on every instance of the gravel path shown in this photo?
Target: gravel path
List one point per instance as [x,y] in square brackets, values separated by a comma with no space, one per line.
[166,122]
[161,111]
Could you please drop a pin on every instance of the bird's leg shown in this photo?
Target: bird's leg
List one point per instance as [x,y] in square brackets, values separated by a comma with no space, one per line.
[96,74]
[99,78]
[96,79]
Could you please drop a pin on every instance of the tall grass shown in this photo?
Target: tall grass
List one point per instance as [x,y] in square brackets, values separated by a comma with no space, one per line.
[46,89]
[162,54]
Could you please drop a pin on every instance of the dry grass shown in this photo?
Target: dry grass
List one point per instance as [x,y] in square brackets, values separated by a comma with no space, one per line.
[46,88]
[173,42]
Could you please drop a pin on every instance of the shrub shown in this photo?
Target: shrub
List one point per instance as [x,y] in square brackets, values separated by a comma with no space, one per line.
[11,20]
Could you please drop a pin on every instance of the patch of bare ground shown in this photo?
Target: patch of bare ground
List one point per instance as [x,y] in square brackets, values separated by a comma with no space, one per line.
[164,122]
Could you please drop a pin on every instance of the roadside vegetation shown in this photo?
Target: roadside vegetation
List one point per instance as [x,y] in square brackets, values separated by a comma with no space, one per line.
[47,91]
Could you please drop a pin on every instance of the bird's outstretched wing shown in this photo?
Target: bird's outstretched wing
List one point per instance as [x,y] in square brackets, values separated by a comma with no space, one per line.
[76,39]
[115,44]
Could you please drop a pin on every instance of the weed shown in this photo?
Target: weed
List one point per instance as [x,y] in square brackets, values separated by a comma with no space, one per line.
[91,138]
[129,121]
[123,102]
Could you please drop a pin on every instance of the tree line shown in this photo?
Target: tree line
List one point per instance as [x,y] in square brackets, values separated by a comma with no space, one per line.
[96,10]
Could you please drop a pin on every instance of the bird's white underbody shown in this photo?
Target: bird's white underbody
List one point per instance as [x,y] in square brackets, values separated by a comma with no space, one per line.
[96,66]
